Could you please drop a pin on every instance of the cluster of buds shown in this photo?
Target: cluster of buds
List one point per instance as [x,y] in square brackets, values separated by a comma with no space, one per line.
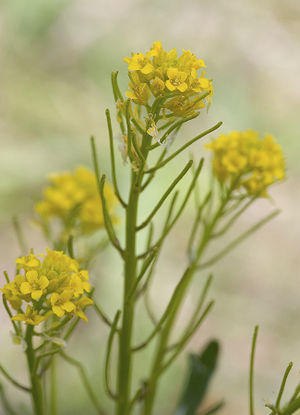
[50,285]
[247,161]
[74,199]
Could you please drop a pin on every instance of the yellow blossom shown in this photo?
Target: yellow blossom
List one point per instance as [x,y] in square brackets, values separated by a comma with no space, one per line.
[34,285]
[188,61]
[199,84]
[74,198]
[30,317]
[176,80]
[248,161]
[80,305]
[61,303]
[139,62]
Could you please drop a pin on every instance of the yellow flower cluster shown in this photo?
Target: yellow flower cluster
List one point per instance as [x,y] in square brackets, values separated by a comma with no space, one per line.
[74,198]
[250,162]
[163,74]
[50,285]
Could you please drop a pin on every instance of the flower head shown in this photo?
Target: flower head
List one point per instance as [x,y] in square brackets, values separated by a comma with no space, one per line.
[74,198]
[53,287]
[163,74]
[248,161]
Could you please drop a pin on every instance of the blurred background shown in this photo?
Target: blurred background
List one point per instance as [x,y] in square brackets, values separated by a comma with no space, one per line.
[56,59]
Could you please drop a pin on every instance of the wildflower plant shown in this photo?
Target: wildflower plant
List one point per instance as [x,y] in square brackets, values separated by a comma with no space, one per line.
[166,90]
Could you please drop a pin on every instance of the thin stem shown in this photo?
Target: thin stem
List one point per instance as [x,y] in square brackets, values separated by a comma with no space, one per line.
[213,409]
[238,240]
[145,266]
[196,223]
[295,394]
[71,328]
[251,373]
[85,381]
[70,246]
[187,196]
[200,302]
[166,194]
[215,127]
[173,127]
[17,331]
[108,353]
[151,176]
[137,126]
[36,388]
[53,388]
[102,315]
[129,130]
[234,218]
[166,313]
[186,338]
[136,147]
[106,216]
[6,277]
[136,398]
[13,381]
[116,89]
[112,158]
[292,407]
[282,386]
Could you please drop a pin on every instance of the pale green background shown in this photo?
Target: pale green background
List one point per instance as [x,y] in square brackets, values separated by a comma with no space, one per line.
[55,62]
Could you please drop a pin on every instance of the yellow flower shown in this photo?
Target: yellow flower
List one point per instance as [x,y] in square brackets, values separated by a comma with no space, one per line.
[248,161]
[34,285]
[199,84]
[139,62]
[61,303]
[30,317]
[162,59]
[188,61]
[28,262]
[80,305]
[176,80]
[74,198]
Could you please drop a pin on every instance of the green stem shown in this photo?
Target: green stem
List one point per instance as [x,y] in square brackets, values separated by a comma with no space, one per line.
[36,388]
[282,386]
[53,387]
[124,366]
[251,373]
[13,381]
[93,397]
[130,275]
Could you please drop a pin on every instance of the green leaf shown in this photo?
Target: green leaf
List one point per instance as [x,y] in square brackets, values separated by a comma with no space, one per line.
[201,368]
